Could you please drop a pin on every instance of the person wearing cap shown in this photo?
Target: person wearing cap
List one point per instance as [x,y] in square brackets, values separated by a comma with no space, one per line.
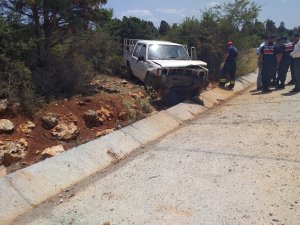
[285,62]
[229,66]
[296,39]
[268,60]
[295,54]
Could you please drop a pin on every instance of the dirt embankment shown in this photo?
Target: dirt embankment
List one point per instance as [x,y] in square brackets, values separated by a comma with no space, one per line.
[115,103]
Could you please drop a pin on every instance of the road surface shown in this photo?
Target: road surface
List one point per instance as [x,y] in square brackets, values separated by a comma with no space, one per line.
[238,163]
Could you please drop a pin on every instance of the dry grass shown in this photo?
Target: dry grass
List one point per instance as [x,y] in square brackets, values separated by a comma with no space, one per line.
[247,63]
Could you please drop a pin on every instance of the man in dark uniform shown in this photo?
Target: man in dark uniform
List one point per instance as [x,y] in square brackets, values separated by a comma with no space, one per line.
[229,66]
[296,39]
[275,77]
[285,62]
[269,60]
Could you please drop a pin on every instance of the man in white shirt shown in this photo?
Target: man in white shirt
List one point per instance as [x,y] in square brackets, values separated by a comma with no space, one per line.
[296,63]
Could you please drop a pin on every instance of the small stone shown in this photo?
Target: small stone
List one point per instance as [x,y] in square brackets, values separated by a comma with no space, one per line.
[81,103]
[6,126]
[133,95]
[104,132]
[61,201]
[141,95]
[124,82]
[92,118]
[122,116]
[49,121]
[88,100]
[105,114]
[50,152]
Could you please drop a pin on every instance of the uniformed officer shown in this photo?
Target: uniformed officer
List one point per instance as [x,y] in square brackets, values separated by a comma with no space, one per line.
[296,39]
[275,77]
[229,66]
[285,62]
[269,59]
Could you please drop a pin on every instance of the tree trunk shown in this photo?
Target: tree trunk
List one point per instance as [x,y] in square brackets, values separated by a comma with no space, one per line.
[37,31]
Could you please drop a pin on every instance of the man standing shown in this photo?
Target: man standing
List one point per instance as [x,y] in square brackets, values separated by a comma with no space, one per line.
[296,65]
[285,62]
[269,59]
[258,81]
[296,39]
[229,66]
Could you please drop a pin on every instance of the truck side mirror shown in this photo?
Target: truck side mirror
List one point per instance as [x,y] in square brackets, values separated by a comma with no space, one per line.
[141,58]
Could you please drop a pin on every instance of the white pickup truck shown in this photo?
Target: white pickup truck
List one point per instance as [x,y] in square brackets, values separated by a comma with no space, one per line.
[165,67]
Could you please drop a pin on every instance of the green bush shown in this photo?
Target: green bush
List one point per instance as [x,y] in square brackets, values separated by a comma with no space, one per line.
[63,76]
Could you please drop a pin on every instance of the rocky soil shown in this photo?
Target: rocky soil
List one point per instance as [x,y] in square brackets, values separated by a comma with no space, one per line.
[61,125]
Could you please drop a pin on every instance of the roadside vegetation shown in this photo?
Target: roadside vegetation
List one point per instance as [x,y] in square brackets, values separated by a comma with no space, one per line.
[62,81]
[52,49]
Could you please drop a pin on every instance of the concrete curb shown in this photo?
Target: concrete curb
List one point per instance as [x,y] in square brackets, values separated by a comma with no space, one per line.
[25,189]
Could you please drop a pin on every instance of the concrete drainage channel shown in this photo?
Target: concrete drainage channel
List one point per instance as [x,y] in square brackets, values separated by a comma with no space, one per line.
[25,189]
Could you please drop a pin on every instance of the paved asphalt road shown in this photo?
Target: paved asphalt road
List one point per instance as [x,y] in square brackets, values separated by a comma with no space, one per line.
[238,163]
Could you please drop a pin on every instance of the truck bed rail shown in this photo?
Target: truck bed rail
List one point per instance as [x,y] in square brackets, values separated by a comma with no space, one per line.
[129,44]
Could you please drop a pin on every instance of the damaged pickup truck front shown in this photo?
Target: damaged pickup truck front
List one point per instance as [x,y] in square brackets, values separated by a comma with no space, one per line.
[166,67]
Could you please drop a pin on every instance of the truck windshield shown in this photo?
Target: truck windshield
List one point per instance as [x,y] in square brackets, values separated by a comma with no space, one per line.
[162,52]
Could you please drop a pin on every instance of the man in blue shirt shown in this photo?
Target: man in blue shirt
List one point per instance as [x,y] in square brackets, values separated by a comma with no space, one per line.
[270,56]
[285,62]
[229,66]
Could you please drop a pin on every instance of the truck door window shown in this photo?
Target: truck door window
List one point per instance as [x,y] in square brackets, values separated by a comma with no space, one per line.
[143,52]
[137,50]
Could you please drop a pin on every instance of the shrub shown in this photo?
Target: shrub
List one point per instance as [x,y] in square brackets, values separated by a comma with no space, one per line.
[63,76]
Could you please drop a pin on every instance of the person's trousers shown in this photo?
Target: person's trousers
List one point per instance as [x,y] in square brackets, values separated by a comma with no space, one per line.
[267,74]
[258,81]
[292,69]
[282,70]
[296,68]
[228,68]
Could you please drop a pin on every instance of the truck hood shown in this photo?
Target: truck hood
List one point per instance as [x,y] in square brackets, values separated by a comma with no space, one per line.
[178,63]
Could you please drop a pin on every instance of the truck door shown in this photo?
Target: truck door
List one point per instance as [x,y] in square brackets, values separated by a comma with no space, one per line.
[134,59]
[142,65]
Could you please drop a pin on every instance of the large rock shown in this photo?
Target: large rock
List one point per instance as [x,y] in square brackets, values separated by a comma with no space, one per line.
[92,118]
[3,105]
[26,127]
[6,126]
[50,152]
[12,151]
[65,132]
[49,121]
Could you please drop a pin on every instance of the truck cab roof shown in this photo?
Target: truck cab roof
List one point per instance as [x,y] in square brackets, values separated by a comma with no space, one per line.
[149,42]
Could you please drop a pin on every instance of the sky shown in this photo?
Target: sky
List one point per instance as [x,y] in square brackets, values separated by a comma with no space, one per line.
[174,11]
